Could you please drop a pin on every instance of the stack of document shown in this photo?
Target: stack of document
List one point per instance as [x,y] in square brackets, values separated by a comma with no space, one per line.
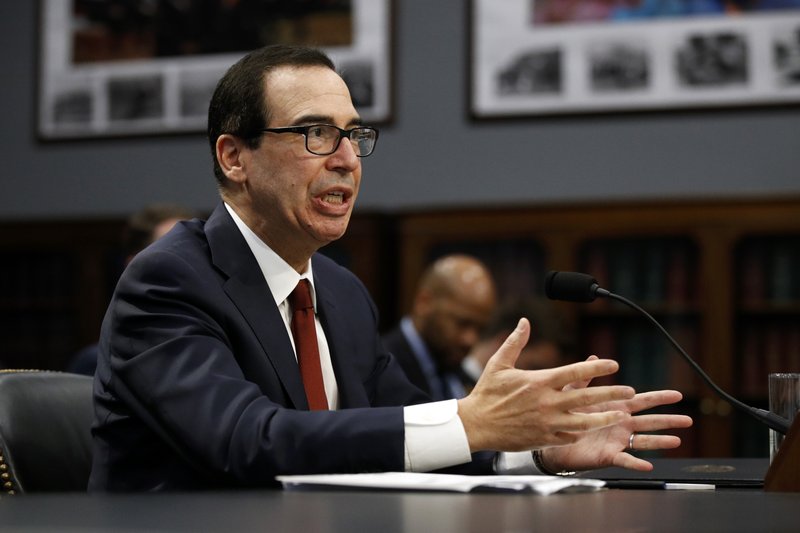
[443,482]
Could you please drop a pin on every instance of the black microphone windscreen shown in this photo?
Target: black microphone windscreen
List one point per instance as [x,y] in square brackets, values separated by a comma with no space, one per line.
[570,286]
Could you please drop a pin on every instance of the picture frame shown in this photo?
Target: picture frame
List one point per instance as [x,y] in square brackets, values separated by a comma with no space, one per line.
[108,70]
[533,58]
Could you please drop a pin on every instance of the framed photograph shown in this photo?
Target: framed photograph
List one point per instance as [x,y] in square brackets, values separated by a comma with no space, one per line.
[147,67]
[545,57]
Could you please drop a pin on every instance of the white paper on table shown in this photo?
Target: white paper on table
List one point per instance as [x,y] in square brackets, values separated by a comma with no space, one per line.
[443,482]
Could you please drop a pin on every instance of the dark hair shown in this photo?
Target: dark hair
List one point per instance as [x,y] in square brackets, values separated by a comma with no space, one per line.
[141,225]
[238,106]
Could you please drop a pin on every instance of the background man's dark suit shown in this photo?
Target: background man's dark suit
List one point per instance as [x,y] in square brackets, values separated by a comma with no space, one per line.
[395,341]
[193,329]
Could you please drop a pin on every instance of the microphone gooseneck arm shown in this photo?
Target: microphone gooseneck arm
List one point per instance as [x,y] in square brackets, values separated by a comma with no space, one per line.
[778,423]
[579,287]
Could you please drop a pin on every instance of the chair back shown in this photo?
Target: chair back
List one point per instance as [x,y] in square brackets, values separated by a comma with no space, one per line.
[45,431]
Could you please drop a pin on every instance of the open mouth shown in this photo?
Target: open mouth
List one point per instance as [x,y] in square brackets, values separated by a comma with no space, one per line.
[333,198]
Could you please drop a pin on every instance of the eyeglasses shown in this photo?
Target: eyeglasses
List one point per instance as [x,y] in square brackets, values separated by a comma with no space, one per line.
[324,139]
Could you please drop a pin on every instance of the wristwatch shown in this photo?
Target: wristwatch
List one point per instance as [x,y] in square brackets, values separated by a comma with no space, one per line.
[539,464]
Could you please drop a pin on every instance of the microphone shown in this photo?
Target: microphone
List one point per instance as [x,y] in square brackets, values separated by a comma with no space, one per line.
[583,288]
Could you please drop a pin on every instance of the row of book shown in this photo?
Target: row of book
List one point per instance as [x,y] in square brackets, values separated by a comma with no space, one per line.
[769,271]
[650,271]
[767,348]
[645,269]
[647,360]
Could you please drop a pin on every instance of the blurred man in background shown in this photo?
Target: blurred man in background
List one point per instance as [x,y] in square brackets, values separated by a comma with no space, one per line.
[453,304]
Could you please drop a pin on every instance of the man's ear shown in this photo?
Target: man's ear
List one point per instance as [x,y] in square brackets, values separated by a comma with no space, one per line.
[422,302]
[231,155]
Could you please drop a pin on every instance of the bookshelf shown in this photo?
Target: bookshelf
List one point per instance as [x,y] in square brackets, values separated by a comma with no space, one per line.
[684,261]
[767,319]
[56,278]
[722,275]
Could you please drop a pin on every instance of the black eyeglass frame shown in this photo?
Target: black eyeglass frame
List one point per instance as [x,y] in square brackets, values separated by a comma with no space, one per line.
[303,130]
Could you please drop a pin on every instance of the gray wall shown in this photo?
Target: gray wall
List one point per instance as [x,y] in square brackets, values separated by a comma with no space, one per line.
[431,156]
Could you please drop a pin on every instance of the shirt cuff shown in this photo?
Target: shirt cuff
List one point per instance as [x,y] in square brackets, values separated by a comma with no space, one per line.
[434,436]
[515,463]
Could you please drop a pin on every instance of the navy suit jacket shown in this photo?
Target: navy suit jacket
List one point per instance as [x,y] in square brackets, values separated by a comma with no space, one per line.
[197,385]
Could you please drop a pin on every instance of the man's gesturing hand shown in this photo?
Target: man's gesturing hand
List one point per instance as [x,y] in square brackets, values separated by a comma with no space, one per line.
[513,410]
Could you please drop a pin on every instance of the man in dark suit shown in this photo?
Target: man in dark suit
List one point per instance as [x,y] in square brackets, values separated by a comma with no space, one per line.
[453,303]
[198,384]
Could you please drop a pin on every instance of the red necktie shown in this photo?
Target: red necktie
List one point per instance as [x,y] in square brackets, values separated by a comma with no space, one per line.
[305,341]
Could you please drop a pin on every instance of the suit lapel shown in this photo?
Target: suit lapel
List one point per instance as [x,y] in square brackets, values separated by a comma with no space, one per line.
[250,293]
